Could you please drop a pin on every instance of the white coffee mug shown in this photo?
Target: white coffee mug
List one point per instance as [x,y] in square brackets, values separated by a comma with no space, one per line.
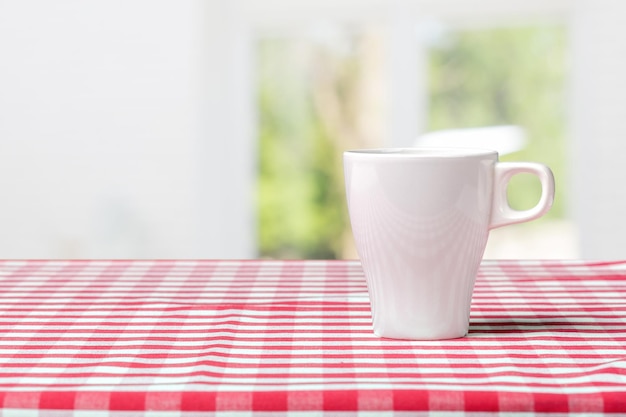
[420,219]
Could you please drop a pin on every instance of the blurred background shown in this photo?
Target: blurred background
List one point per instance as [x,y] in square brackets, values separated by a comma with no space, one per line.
[214,129]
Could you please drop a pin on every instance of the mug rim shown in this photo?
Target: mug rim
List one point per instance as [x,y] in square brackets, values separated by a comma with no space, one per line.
[422,152]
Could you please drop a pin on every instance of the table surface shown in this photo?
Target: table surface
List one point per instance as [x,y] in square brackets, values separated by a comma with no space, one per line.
[148,337]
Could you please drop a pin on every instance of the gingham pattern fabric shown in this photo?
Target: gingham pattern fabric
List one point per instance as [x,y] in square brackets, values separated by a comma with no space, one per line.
[161,338]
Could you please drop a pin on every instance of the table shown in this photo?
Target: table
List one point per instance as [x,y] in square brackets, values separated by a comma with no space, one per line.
[181,337]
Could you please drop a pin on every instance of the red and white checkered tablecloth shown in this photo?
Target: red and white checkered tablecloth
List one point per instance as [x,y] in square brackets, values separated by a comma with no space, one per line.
[160,338]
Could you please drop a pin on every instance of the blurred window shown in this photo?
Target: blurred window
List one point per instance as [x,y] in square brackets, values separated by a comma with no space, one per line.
[324,91]
[314,93]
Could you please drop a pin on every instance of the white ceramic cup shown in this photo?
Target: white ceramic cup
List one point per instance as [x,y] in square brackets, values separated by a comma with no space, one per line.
[420,219]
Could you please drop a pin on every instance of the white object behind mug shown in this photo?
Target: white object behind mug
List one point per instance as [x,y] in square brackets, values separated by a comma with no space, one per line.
[503,139]
[421,219]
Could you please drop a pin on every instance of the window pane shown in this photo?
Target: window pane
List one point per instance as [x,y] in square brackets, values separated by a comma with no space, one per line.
[510,76]
[314,93]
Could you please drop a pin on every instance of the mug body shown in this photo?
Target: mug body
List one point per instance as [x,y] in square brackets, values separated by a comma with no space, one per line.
[420,220]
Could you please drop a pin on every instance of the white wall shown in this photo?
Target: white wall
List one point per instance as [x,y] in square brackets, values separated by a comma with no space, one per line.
[598,127]
[105,132]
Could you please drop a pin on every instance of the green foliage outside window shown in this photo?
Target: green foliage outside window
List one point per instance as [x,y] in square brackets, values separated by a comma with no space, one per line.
[300,188]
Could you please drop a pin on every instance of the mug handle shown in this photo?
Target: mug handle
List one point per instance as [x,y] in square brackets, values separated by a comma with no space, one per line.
[501,213]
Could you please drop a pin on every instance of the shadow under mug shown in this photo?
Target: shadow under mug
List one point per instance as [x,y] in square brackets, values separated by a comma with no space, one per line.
[420,219]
